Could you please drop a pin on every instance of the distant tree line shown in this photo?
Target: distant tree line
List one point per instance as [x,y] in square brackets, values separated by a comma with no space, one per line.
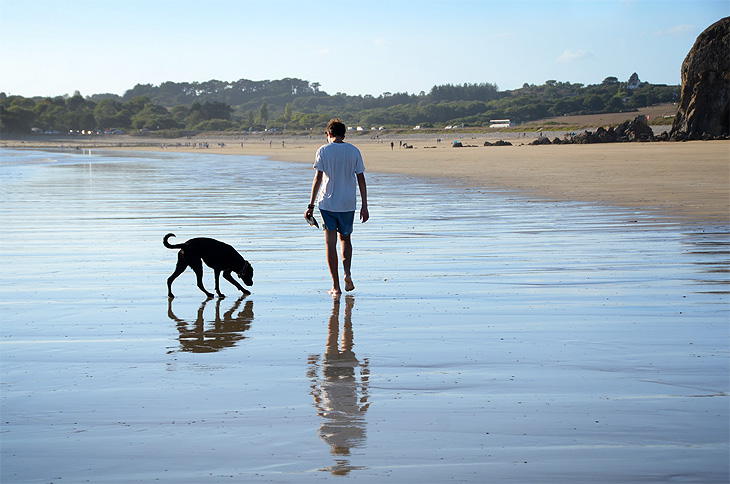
[300,105]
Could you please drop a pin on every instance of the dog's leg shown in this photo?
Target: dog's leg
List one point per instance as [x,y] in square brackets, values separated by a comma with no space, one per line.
[197,266]
[217,283]
[227,275]
[179,269]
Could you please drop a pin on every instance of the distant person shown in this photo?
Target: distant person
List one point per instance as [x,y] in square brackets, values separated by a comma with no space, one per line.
[391,146]
[340,170]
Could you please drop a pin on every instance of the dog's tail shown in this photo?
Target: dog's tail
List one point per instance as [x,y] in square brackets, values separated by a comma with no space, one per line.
[169,245]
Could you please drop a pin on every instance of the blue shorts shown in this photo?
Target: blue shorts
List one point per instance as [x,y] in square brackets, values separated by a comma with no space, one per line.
[339,221]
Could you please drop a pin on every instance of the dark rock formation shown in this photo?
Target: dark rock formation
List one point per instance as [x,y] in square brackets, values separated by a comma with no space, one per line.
[704,109]
[542,140]
[498,143]
[636,130]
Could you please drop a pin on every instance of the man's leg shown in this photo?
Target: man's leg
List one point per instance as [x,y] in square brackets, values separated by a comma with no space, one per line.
[346,251]
[332,260]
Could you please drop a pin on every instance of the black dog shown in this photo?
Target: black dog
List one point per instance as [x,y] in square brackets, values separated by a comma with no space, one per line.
[217,255]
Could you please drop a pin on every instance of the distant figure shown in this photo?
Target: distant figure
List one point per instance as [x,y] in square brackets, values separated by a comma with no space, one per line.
[391,146]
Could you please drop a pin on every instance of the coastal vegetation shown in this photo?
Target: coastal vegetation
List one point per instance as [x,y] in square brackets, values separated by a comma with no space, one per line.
[298,105]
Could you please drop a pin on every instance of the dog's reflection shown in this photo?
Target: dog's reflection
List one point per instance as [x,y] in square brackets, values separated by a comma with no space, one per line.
[339,385]
[225,332]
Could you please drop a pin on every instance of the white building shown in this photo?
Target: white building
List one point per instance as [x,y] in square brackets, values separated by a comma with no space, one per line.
[500,123]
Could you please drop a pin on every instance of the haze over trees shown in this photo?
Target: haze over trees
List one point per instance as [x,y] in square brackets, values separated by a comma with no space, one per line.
[297,104]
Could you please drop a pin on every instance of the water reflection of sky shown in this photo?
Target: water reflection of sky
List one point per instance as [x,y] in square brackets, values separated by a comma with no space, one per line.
[492,330]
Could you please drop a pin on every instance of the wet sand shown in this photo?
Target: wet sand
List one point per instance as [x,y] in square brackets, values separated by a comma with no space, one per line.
[684,181]
[559,341]
[689,181]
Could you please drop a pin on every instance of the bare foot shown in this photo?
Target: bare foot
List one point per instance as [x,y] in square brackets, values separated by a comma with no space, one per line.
[349,285]
[334,291]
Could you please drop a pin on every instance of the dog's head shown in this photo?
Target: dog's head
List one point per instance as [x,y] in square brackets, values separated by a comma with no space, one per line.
[246,273]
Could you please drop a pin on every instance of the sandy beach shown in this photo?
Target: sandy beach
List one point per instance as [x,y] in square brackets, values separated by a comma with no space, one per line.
[555,342]
[689,180]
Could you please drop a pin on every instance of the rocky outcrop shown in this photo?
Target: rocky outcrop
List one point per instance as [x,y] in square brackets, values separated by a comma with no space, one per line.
[636,130]
[498,143]
[704,108]
[542,140]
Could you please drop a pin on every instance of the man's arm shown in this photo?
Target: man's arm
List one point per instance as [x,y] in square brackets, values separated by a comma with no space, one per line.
[364,214]
[316,183]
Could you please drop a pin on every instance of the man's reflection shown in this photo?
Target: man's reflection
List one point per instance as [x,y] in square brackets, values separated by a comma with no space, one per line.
[227,330]
[340,390]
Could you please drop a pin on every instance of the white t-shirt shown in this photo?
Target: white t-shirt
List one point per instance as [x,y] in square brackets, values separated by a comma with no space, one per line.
[341,163]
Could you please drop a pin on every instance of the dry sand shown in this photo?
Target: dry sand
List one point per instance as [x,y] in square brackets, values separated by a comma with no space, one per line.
[689,180]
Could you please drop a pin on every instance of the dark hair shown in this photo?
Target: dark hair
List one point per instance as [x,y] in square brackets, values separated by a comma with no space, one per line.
[336,127]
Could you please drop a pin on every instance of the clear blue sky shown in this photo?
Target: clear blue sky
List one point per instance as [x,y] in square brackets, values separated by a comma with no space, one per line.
[55,47]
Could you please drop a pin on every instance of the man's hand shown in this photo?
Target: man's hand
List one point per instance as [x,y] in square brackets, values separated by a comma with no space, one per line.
[364,214]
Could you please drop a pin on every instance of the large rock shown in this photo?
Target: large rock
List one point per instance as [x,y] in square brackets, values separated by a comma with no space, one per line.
[636,130]
[542,140]
[704,108]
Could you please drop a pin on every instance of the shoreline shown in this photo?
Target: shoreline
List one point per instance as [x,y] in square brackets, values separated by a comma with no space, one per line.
[688,181]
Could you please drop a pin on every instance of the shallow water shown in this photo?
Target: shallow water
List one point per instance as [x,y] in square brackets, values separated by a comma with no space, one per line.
[490,338]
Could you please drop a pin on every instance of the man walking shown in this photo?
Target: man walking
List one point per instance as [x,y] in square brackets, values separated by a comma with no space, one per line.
[340,170]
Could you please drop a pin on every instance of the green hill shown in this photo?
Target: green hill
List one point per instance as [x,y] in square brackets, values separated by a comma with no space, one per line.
[297,104]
